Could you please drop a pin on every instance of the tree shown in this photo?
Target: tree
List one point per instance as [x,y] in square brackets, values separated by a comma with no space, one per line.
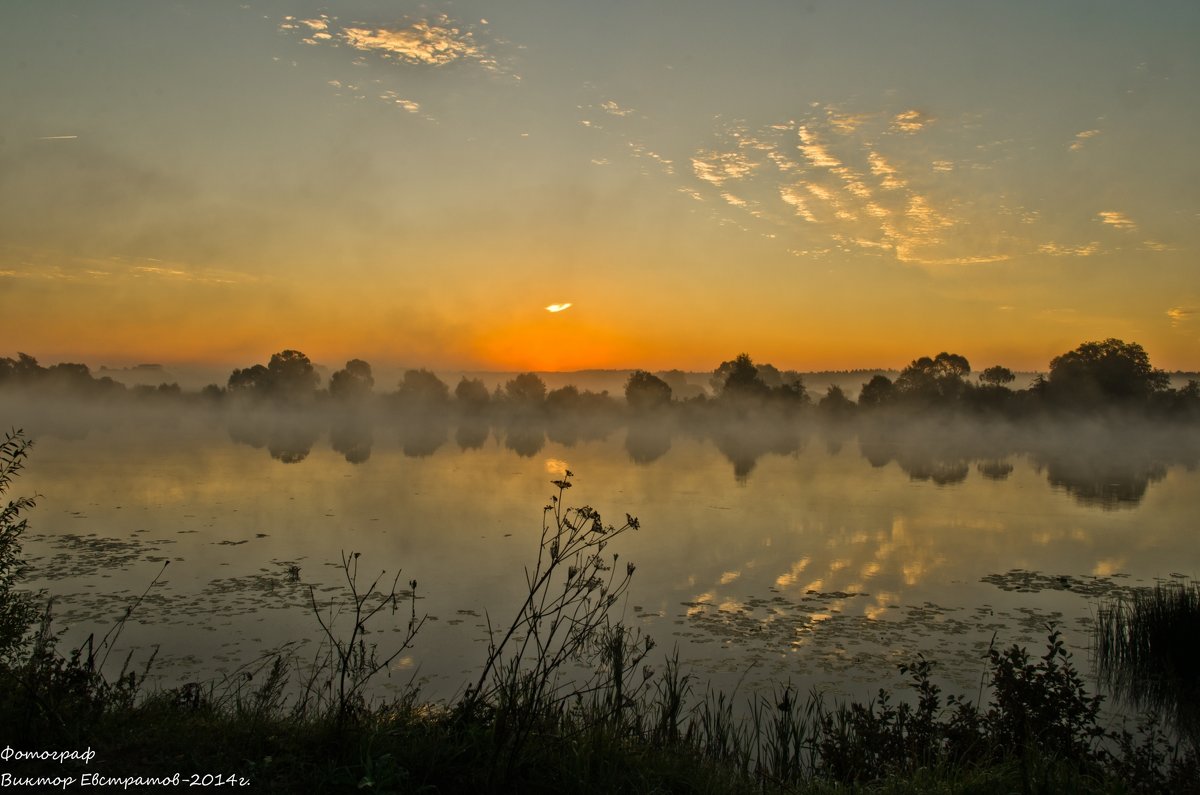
[1111,371]
[740,378]
[935,380]
[422,389]
[289,377]
[879,391]
[834,404]
[471,393]
[996,376]
[646,392]
[353,382]
[527,390]
[292,376]
[563,399]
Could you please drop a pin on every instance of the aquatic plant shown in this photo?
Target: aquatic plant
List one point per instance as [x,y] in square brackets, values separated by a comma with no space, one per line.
[1147,650]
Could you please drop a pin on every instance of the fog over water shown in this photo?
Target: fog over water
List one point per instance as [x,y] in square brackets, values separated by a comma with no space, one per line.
[772,547]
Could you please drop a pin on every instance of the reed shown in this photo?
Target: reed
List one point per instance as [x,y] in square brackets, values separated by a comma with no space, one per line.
[1147,651]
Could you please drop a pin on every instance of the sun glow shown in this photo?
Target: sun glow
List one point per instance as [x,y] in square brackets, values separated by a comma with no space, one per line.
[558,307]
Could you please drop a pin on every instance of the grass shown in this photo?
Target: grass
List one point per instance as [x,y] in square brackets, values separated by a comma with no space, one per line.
[1148,653]
[564,702]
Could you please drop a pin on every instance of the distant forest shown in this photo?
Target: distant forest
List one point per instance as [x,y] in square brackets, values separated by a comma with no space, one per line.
[1096,376]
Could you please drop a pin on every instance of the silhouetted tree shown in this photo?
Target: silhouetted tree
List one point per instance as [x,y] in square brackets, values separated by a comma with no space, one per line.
[681,389]
[251,381]
[997,376]
[293,377]
[646,392]
[353,383]
[527,390]
[562,400]
[936,380]
[289,377]
[741,379]
[878,392]
[834,404]
[421,389]
[471,394]
[1111,371]
[21,371]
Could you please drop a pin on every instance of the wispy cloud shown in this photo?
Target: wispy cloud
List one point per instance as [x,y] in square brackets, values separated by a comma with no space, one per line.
[910,121]
[1057,250]
[438,41]
[717,167]
[1117,220]
[58,137]
[1081,137]
[1179,314]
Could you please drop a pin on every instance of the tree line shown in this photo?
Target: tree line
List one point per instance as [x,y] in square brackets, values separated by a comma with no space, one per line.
[1098,375]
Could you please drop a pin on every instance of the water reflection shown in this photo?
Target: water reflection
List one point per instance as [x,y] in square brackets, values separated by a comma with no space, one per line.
[1108,464]
[352,436]
[1102,467]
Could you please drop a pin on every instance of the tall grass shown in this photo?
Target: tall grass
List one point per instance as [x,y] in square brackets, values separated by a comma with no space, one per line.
[1147,652]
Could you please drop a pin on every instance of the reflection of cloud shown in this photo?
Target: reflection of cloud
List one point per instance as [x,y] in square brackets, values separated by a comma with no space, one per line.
[1080,137]
[1055,250]
[615,109]
[1117,220]
[910,121]
[1178,314]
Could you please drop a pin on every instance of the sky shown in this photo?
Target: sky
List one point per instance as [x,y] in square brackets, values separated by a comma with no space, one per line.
[823,185]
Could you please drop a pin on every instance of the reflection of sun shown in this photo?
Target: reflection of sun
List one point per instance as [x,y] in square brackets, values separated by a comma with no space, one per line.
[558,307]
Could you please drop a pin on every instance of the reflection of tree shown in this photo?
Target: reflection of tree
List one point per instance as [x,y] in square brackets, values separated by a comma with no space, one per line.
[1107,484]
[562,430]
[995,469]
[423,438]
[288,437]
[352,437]
[472,433]
[525,436]
[941,472]
[647,441]
[744,442]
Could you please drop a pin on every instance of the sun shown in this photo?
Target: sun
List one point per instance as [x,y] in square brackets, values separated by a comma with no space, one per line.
[558,307]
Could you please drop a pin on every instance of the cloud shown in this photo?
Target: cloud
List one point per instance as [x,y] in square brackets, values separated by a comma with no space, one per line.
[425,42]
[1179,314]
[1117,220]
[910,121]
[889,179]
[1081,137]
[816,153]
[718,167]
[1056,250]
